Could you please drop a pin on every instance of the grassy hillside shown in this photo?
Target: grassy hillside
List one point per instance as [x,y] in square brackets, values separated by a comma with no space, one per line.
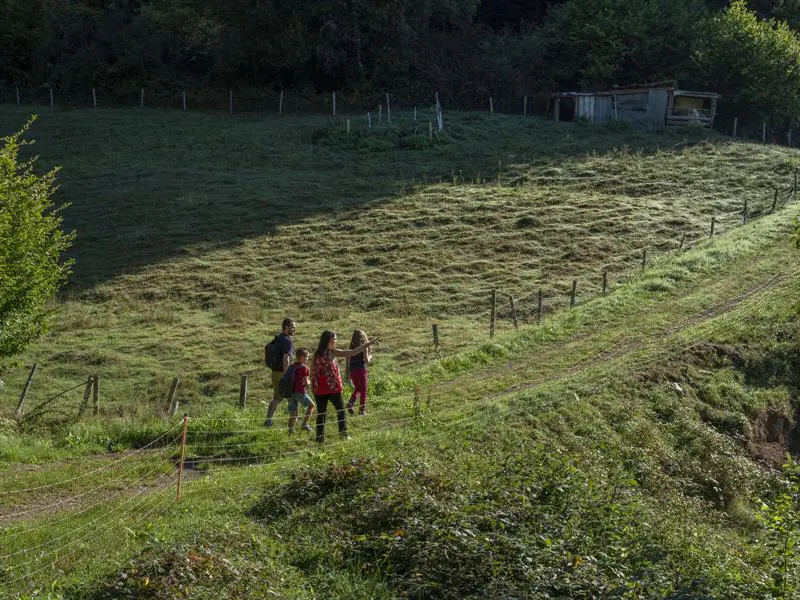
[197,233]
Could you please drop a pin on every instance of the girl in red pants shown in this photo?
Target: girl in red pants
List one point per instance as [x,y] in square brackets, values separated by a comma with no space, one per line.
[357,372]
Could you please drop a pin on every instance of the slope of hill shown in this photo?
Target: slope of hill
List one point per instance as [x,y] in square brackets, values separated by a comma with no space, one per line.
[197,233]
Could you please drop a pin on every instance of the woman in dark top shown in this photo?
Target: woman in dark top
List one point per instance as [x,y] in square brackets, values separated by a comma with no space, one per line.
[326,380]
[357,372]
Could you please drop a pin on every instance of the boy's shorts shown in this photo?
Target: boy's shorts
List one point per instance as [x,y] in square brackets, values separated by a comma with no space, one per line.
[297,399]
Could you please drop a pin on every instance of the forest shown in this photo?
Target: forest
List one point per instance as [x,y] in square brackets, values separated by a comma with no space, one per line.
[467,50]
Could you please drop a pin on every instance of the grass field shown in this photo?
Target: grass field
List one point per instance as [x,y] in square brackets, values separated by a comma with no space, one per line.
[626,448]
[197,233]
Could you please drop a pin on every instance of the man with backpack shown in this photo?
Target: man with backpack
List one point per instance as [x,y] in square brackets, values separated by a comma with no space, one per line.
[278,356]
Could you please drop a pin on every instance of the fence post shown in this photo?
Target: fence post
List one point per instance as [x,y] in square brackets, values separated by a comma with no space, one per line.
[369,120]
[713,223]
[86,393]
[348,126]
[96,394]
[417,408]
[17,89]
[280,104]
[605,281]
[525,106]
[183,457]
[334,104]
[683,239]
[735,125]
[763,132]
[491,106]
[94,97]
[572,293]
[243,391]
[415,113]
[430,130]
[644,259]
[388,109]
[230,101]
[184,99]
[24,393]
[789,137]
[141,98]
[435,328]
[744,212]
[514,312]
[539,309]
[380,113]
[173,397]
[52,103]
[794,189]
[774,201]
[494,313]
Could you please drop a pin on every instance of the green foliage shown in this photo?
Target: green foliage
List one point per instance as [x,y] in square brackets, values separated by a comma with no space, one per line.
[781,520]
[31,245]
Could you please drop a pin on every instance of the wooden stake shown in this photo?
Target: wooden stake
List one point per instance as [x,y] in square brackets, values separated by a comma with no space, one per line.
[713,223]
[243,391]
[644,259]
[280,104]
[94,97]
[683,239]
[184,99]
[435,327]
[173,397]
[744,212]
[369,120]
[794,189]
[380,113]
[388,109]
[513,312]
[96,394]
[774,201]
[417,407]
[348,126]
[51,98]
[437,99]
[87,392]
[789,137]
[415,113]
[334,104]
[24,394]
[430,130]
[494,314]
[764,132]
[735,125]
[572,293]
[540,308]
[491,106]
[230,101]
[141,98]
[183,457]
[605,281]
[525,106]
[17,88]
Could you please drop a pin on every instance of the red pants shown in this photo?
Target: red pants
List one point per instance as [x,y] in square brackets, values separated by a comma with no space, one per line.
[359,380]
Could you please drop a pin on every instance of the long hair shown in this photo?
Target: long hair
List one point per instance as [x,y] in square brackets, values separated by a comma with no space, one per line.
[359,338]
[324,340]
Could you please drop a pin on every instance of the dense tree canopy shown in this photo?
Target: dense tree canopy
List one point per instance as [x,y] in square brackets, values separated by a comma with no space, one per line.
[466,49]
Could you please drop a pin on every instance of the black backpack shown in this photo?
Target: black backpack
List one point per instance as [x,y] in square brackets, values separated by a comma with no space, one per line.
[272,357]
[286,384]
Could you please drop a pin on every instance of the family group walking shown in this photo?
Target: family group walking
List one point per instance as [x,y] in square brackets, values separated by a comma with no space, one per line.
[292,377]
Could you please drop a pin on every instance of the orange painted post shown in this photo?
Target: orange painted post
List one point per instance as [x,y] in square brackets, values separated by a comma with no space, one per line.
[183,456]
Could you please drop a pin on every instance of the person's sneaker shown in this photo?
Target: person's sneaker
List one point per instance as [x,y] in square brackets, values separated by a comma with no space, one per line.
[362,412]
[306,426]
[350,409]
[268,423]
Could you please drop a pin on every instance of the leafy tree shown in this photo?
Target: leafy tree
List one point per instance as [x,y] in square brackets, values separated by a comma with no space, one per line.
[31,245]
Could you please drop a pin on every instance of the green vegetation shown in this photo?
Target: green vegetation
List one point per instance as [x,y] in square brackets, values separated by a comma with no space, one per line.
[31,245]
[626,448]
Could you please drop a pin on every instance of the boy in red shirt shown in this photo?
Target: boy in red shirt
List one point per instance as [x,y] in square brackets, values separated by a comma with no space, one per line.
[302,381]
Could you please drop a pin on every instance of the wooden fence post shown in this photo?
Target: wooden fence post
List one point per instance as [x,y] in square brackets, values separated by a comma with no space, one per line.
[491,106]
[713,223]
[24,394]
[494,313]
[525,106]
[87,392]
[794,188]
[417,407]
[380,113]
[17,89]
[415,113]
[280,104]
[435,328]
[735,125]
[605,281]
[540,308]
[644,259]
[683,239]
[763,132]
[388,109]
[514,312]
[348,126]
[744,212]
[141,98]
[230,101]
[430,130]
[173,397]
[334,104]
[183,457]
[184,99]
[789,137]
[369,120]
[774,201]
[96,394]
[52,103]
[572,293]
[94,97]
[243,391]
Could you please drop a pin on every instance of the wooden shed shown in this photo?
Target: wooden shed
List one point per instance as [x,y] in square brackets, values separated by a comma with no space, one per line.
[653,104]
